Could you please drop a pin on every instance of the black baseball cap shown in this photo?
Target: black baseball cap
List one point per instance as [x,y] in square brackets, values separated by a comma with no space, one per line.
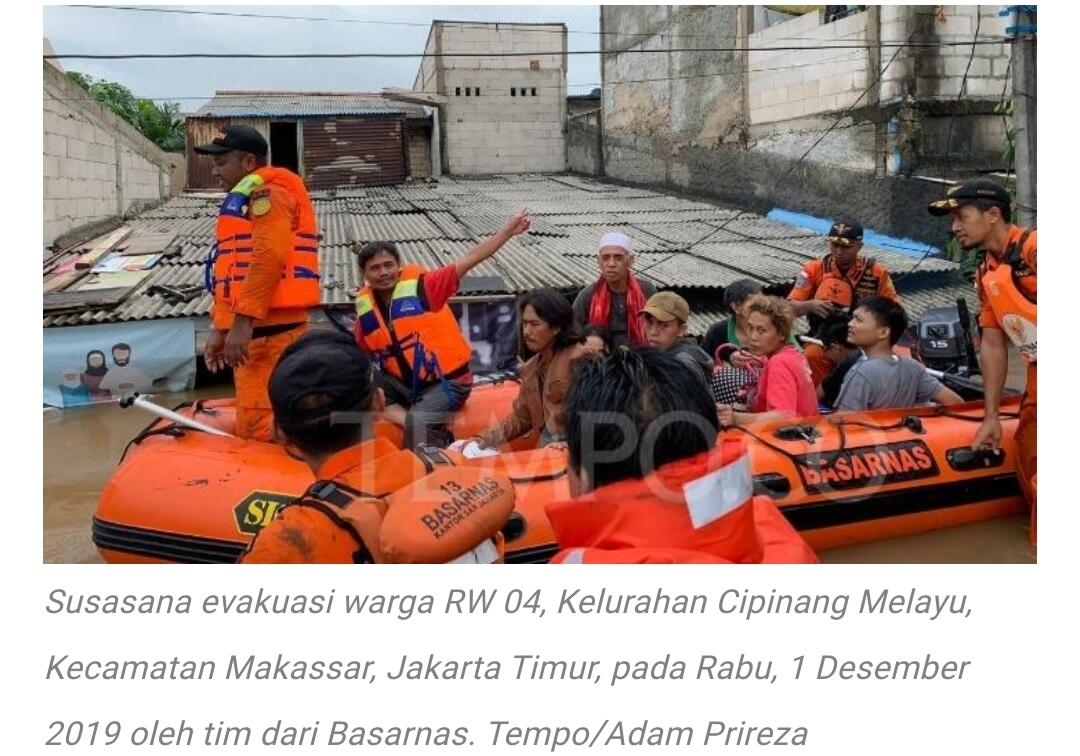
[969,191]
[321,362]
[239,138]
[845,234]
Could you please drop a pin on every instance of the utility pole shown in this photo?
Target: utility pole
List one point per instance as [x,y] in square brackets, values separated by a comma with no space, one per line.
[1024,100]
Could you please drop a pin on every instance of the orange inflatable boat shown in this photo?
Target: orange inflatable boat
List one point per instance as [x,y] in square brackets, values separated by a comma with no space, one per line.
[182,495]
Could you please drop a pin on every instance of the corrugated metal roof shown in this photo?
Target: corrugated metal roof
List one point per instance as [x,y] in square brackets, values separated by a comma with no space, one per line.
[403,227]
[237,103]
[437,222]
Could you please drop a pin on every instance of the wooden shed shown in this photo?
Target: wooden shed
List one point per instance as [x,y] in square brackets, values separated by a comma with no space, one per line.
[332,139]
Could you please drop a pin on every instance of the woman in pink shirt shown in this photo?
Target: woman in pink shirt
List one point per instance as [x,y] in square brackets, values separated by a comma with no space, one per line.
[785,389]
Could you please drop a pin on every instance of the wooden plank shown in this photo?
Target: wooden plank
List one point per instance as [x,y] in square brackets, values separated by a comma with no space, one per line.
[84,300]
[63,280]
[101,247]
[114,280]
[147,242]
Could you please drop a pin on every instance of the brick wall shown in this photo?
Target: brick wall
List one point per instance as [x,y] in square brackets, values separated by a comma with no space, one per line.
[96,166]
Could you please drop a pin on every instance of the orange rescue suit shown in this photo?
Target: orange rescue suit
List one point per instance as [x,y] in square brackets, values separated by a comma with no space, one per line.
[418,346]
[395,507]
[264,265]
[1008,289]
[822,279]
[700,509]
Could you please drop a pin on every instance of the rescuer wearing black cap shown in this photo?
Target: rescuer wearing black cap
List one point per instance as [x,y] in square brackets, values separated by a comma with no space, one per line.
[263,270]
[981,213]
[833,285]
[325,403]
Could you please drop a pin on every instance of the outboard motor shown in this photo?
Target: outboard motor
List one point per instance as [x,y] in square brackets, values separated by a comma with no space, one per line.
[945,342]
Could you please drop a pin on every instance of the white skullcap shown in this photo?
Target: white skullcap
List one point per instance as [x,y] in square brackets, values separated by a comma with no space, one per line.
[615,239]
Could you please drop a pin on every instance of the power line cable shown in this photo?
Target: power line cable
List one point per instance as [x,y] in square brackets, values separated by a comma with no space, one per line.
[783,177]
[529,54]
[509,25]
[618,82]
[948,135]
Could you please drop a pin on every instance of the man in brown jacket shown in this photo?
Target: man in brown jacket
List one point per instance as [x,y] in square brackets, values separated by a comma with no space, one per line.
[554,343]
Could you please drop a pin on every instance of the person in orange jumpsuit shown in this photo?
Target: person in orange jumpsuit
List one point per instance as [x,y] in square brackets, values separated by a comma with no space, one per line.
[981,213]
[372,502]
[263,270]
[652,485]
[834,284]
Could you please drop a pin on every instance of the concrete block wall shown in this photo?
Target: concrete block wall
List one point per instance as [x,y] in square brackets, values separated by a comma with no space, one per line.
[583,147]
[654,131]
[657,101]
[496,131]
[95,166]
[788,84]
[940,71]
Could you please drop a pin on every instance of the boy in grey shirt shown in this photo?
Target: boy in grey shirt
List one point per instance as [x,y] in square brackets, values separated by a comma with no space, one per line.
[882,379]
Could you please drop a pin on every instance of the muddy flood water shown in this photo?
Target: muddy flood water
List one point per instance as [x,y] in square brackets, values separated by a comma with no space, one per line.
[83,446]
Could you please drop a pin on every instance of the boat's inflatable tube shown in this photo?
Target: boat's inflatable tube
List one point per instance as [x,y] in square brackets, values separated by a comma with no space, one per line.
[181,495]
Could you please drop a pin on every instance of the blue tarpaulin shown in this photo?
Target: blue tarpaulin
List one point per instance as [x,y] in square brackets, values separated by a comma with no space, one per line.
[908,247]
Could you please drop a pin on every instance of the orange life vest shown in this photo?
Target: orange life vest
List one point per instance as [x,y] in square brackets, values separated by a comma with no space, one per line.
[418,346]
[838,288]
[1010,290]
[453,515]
[700,509]
[226,266]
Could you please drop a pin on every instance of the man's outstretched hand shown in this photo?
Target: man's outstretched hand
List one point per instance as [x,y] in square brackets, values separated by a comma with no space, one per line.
[519,223]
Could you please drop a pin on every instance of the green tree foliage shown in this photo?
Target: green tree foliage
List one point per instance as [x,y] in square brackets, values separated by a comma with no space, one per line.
[161,124]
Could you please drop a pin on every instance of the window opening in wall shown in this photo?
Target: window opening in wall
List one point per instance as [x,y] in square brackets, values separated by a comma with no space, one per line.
[513,91]
[457,91]
[534,91]
[284,147]
[468,91]
[837,12]
[478,91]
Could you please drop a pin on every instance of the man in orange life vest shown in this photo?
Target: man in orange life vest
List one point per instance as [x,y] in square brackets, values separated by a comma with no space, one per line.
[834,284]
[405,322]
[652,484]
[263,270]
[980,210]
[373,502]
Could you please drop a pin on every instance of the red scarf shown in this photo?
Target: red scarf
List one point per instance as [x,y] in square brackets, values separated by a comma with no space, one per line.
[600,308]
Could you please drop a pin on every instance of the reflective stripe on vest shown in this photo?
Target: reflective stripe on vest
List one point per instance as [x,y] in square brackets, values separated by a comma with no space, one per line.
[712,496]
[230,256]
[574,556]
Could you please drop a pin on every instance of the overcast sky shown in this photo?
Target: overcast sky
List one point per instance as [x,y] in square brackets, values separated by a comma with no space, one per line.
[73,29]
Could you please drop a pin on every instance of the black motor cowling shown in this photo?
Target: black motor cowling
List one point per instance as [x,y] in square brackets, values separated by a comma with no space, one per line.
[944,340]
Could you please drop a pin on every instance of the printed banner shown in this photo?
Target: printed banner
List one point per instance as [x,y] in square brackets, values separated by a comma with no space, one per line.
[492,330]
[101,363]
